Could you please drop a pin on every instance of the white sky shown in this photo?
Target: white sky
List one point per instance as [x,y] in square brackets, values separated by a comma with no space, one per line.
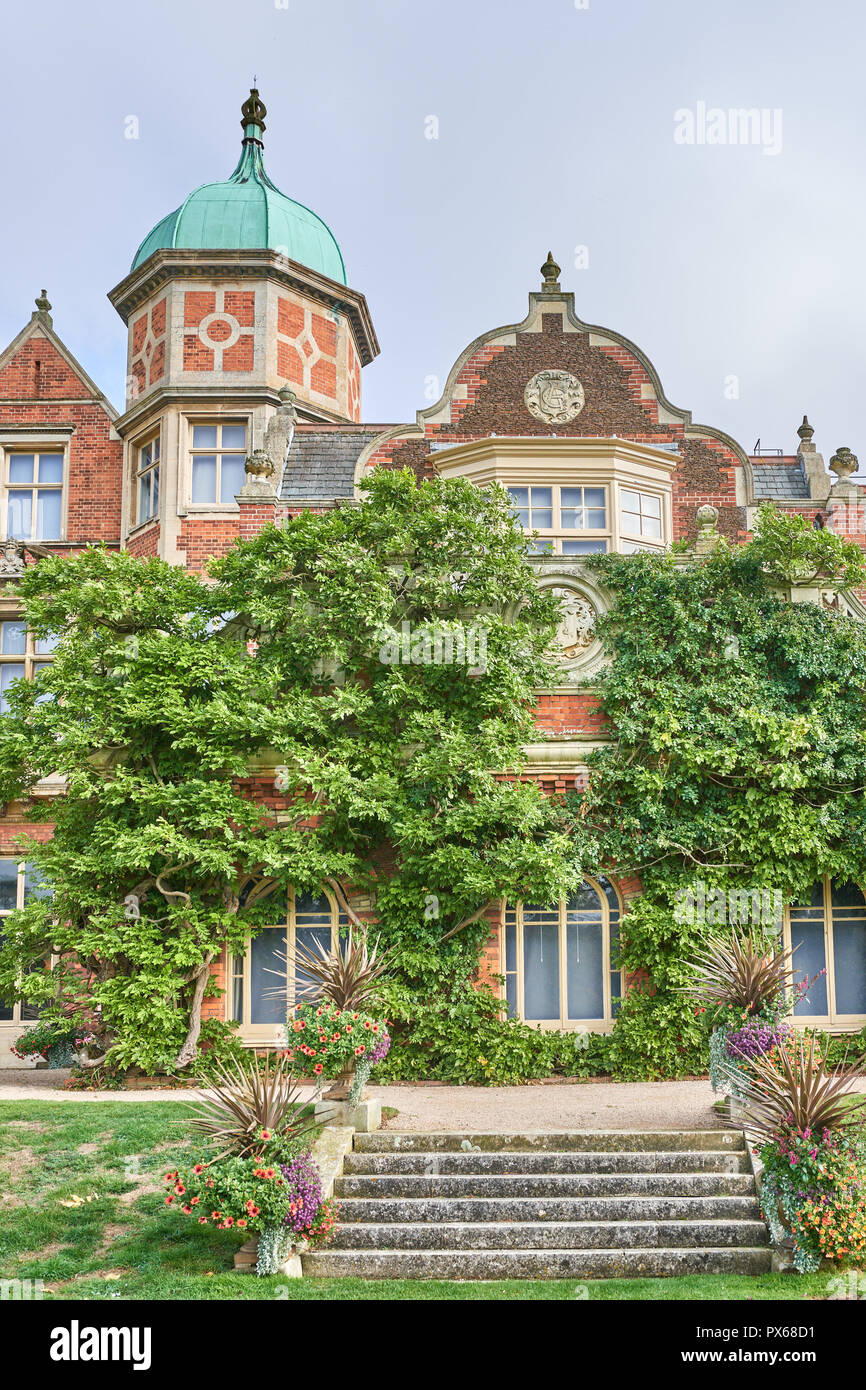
[556,130]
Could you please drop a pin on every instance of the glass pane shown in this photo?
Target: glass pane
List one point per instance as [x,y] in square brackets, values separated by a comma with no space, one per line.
[584,946]
[144,497]
[846,895]
[650,505]
[594,497]
[584,547]
[20,515]
[630,501]
[651,527]
[238,992]
[510,970]
[234,436]
[5,1009]
[310,938]
[541,963]
[13,641]
[595,519]
[204,479]
[204,436]
[44,646]
[9,671]
[8,885]
[48,514]
[807,932]
[154,492]
[21,468]
[231,477]
[50,468]
[34,883]
[268,976]
[849,957]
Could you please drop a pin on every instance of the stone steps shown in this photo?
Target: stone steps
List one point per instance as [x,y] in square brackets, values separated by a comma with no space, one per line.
[374,1164]
[546,1185]
[586,1205]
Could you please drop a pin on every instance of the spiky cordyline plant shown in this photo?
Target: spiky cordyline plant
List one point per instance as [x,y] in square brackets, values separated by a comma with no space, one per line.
[345,974]
[249,1101]
[794,1092]
[740,973]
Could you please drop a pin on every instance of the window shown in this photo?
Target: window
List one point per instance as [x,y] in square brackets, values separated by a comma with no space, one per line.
[34,496]
[22,655]
[830,934]
[218,459]
[557,960]
[147,477]
[562,515]
[264,984]
[18,884]
[640,514]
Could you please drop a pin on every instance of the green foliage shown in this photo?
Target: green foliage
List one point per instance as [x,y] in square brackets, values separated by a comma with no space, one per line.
[165,685]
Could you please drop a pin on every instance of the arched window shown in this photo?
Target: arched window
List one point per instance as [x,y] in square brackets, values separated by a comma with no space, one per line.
[557,960]
[830,933]
[261,994]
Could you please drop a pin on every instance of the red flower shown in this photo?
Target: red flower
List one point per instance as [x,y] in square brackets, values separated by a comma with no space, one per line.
[240,1221]
[179,1189]
[199,1168]
[186,1209]
[169,1199]
[359,1051]
[216,1216]
[202,1221]
[193,1201]
[318,1069]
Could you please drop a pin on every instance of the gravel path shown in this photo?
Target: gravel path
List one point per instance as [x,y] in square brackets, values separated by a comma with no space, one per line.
[587,1105]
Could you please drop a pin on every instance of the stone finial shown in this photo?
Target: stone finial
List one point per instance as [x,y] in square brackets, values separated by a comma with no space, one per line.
[43,308]
[260,474]
[805,433]
[708,538]
[550,271]
[844,463]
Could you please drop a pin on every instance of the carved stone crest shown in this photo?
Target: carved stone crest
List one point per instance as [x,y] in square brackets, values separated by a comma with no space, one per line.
[576,631]
[11,559]
[554,396]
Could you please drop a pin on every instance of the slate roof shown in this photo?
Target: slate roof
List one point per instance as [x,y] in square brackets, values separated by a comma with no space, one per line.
[779,478]
[321,462]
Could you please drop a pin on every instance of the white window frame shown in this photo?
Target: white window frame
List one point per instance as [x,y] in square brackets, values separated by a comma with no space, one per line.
[832,1021]
[563,1023]
[553,536]
[37,450]
[154,470]
[193,452]
[639,539]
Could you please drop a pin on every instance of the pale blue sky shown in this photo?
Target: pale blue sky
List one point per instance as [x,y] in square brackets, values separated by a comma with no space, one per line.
[556,130]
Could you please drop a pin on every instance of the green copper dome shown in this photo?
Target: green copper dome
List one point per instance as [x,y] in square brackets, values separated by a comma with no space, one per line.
[248,212]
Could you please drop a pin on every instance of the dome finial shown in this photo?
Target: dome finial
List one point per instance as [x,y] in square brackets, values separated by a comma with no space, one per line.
[550,271]
[253,114]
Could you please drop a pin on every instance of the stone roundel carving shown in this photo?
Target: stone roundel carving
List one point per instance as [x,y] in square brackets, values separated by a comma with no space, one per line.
[554,396]
[576,631]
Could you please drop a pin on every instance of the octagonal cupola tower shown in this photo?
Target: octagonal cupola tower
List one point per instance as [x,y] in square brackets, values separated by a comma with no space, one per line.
[241,288]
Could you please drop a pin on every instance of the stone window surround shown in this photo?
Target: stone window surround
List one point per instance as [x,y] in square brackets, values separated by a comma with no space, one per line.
[32,439]
[551,460]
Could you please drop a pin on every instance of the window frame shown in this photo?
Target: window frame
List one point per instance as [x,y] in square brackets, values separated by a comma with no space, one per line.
[30,658]
[37,451]
[556,534]
[239,968]
[16,1021]
[637,539]
[563,1023]
[153,468]
[217,451]
[832,1021]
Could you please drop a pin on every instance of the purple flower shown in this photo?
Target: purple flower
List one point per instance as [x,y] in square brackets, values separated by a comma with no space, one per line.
[305,1192]
[755,1038]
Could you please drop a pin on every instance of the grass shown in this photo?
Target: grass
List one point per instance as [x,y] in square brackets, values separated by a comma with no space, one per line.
[118,1240]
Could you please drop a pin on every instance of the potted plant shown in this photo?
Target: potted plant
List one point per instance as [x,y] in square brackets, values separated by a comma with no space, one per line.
[335,1031]
[811,1141]
[262,1179]
[747,984]
[59,1044]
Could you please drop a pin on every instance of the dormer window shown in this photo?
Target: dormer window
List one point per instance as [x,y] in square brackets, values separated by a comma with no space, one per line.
[147,479]
[218,459]
[34,496]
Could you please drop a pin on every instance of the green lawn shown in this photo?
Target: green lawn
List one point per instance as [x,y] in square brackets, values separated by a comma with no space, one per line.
[118,1240]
